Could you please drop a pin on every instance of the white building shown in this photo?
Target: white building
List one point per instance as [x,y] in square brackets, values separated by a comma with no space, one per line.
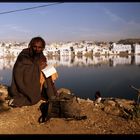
[120,48]
[64,50]
[50,50]
[136,48]
[79,50]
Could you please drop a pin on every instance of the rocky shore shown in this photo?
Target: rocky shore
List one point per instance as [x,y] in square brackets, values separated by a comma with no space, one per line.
[110,116]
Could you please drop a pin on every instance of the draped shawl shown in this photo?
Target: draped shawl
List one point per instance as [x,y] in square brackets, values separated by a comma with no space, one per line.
[25,85]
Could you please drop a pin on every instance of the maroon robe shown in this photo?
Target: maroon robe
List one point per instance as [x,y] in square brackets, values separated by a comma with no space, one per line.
[25,86]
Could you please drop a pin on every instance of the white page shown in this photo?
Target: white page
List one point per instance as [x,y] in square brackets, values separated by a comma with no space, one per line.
[49,70]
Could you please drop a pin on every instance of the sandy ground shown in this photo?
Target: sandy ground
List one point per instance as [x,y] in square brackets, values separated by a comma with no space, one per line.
[100,120]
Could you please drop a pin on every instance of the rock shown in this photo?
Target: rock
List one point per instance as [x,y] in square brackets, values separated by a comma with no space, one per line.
[127,104]
[112,110]
[4,107]
[110,103]
[64,90]
[3,92]
[99,105]
[89,101]
[80,100]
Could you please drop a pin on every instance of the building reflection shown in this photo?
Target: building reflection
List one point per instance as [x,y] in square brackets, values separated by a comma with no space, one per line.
[7,63]
[112,60]
[70,61]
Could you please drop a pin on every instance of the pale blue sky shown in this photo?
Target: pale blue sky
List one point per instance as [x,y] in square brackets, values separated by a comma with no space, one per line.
[71,21]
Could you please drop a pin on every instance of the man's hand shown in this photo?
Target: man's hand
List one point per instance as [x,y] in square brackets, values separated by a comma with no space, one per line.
[54,76]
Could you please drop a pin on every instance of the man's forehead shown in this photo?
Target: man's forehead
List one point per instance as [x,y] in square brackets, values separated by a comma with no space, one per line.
[38,43]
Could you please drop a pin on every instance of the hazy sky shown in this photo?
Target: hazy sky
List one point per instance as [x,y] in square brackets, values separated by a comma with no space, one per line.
[71,21]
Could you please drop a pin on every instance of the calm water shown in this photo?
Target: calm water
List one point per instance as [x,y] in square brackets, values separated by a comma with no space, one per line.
[84,76]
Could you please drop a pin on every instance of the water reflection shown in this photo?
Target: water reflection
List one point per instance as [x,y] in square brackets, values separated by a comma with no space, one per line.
[7,63]
[70,61]
[85,75]
[112,60]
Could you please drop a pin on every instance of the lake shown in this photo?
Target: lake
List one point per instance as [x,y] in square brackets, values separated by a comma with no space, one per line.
[111,75]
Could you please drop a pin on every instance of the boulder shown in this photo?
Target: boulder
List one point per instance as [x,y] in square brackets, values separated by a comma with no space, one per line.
[3,92]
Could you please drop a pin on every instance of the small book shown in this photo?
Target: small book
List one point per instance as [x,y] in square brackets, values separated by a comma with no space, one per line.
[49,70]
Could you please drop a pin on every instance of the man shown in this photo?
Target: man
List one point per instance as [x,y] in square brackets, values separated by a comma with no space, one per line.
[28,84]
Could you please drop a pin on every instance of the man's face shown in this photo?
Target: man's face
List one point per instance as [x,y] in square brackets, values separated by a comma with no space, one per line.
[38,47]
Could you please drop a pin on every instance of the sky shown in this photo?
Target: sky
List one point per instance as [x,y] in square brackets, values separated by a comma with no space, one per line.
[70,21]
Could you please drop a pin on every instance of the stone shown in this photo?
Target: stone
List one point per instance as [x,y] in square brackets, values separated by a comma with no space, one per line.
[63,90]
[3,92]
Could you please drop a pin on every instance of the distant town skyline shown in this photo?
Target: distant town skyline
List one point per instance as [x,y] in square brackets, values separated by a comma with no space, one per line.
[70,21]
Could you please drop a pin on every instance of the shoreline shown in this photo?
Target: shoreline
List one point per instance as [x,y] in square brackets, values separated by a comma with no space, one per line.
[110,116]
